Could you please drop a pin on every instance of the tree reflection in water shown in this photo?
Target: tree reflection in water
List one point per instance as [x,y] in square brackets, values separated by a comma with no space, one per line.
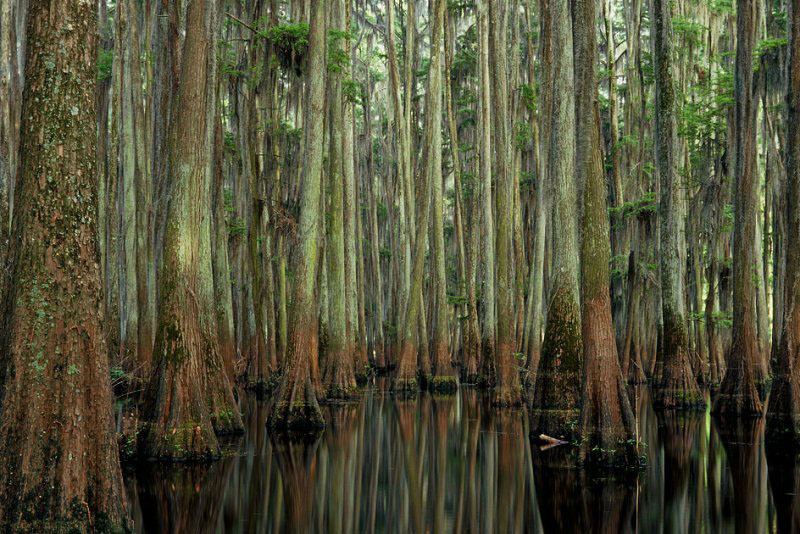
[455,464]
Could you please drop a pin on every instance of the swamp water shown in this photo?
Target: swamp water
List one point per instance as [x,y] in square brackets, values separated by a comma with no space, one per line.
[455,464]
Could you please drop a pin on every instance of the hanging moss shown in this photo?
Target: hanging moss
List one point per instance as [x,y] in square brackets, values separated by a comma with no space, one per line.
[290,43]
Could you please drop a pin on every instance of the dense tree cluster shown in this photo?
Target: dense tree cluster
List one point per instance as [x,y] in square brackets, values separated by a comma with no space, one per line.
[551,200]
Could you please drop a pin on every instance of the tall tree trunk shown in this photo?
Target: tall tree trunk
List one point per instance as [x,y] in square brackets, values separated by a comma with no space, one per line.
[738,393]
[607,425]
[57,435]
[508,388]
[488,369]
[783,416]
[190,397]
[338,365]
[296,404]
[556,393]
[444,377]
[677,386]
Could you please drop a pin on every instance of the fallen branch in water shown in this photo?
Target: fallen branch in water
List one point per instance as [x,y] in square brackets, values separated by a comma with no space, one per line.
[550,441]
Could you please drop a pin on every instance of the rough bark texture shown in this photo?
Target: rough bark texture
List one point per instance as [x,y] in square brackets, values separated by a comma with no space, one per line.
[444,377]
[676,387]
[61,467]
[607,425]
[296,407]
[556,392]
[783,416]
[488,371]
[338,364]
[508,388]
[190,396]
[738,395]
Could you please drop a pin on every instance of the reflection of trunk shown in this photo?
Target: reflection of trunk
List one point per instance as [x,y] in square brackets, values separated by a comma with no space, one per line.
[677,433]
[509,427]
[183,498]
[297,461]
[569,501]
[405,421]
[57,437]
[742,440]
[784,481]
[339,443]
[441,413]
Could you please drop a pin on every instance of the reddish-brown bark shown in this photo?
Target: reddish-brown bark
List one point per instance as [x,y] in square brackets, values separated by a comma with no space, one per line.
[60,458]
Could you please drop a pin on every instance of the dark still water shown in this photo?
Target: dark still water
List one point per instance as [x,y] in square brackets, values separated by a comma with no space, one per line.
[455,464]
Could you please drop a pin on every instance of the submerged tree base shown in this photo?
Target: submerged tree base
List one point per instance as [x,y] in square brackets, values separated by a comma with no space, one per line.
[296,417]
[507,397]
[738,395]
[405,386]
[678,395]
[443,384]
[604,452]
[265,386]
[189,442]
[783,414]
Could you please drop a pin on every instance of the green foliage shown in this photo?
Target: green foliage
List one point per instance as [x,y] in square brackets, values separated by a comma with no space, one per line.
[105,62]
[723,319]
[289,40]
[523,135]
[767,46]
[229,143]
[527,181]
[338,56]
[644,206]
[529,97]
[469,184]
[727,218]
[353,91]
[721,7]
[691,31]
[236,226]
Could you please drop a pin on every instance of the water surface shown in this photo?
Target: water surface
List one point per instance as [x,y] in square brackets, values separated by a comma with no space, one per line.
[455,464]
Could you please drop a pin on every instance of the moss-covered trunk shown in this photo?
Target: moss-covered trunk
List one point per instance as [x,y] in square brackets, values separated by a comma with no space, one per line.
[676,386]
[296,406]
[783,416]
[61,464]
[508,388]
[444,377]
[557,388]
[607,425]
[488,370]
[738,393]
[189,397]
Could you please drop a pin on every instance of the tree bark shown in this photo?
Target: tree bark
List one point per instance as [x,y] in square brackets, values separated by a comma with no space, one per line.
[57,437]
[555,407]
[607,425]
[189,397]
[738,395]
[783,416]
[296,406]
[677,386]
